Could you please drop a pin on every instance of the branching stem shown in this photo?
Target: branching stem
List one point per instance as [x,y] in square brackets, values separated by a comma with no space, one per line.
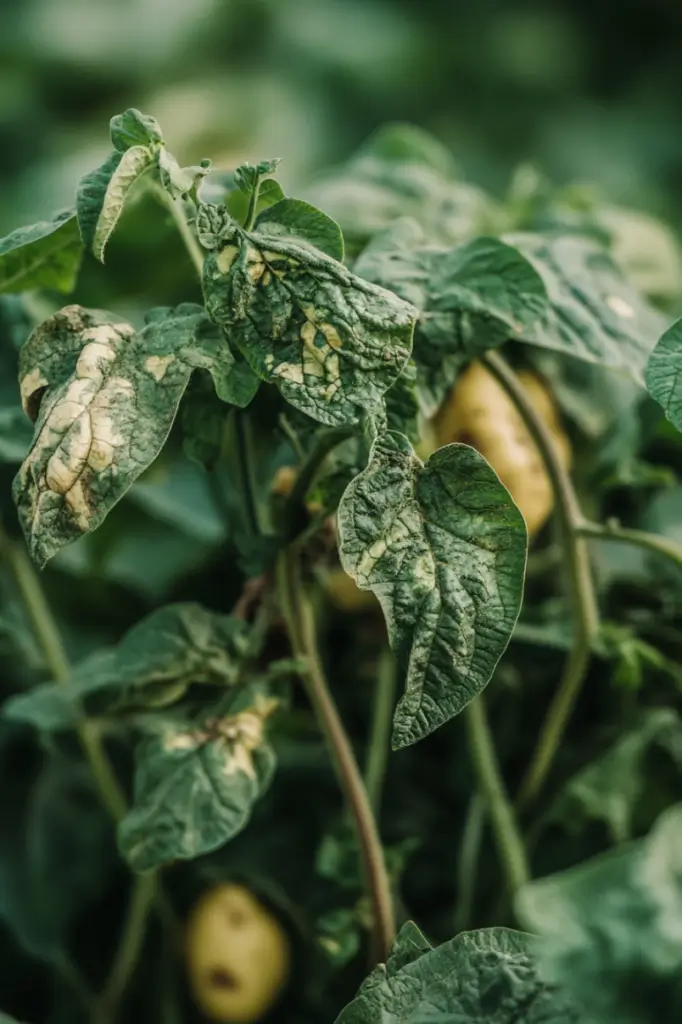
[300,623]
[640,538]
[581,586]
[379,743]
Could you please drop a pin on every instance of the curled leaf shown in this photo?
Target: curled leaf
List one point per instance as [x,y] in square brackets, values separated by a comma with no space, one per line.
[102,194]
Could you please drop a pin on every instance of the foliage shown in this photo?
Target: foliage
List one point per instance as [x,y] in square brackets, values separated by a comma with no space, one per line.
[197,475]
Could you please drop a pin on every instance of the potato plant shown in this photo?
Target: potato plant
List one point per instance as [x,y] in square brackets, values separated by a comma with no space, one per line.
[383,402]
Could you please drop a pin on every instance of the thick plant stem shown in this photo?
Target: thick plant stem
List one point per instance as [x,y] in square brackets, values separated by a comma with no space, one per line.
[130,945]
[507,834]
[380,732]
[639,538]
[301,629]
[581,586]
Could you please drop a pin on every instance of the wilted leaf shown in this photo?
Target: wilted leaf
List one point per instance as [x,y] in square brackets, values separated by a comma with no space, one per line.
[470,298]
[443,547]
[332,343]
[611,933]
[292,218]
[195,786]
[664,373]
[179,181]
[153,665]
[594,313]
[104,399]
[488,976]
[44,255]
[610,788]
[102,194]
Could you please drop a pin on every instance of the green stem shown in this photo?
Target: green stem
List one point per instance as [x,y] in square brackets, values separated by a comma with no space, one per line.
[130,945]
[243,466]
[505,827]
[469,854]
[300,623]
[581,586]
[380,733]
[250,218]
[640,538]
[194,250]
[325,443]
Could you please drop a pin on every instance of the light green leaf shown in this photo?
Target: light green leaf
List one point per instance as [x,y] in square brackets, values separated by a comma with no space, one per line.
[611,933]
[488,977]
[664,373]
[152,666]
[332,344]
[133,128]
[179,181]
[195,787]
[103,399]
[293,218]
[247,176]
[406,143]
[102,194]
[45,255]
[470,298]
[610,788]
[594,313]
[443,547]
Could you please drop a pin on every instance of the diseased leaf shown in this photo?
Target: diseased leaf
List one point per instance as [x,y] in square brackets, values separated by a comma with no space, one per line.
[195,786]
[611,787]
[247,176]
[594,313]
[44,255]
[102,194]
[152,667]
[179,181]
[664,373]
[332,344]
[443,547]
[470,298]
[103,399]
[402,404]
[133,128]
[610,928]
[293,218]
[488,976]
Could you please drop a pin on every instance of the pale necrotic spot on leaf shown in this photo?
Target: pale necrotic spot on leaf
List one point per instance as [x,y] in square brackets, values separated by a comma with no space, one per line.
[105,399]
[332,343]
[195,787]
[443,547]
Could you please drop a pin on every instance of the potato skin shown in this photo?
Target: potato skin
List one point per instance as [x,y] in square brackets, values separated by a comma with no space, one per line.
[479,413]
[238,955]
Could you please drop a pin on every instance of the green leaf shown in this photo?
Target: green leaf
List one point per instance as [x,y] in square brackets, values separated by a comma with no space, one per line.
[247,177]
[402,404]
[610,788]
[293,218]
[45,255]
[470,298]
[611,928]
[153,666]
[489,976]
[102,194]
[594,313]
[133,128]
[103,399]
[195,786]
[443,547]
[406,143]
[332,344]
[664,373]
[15,435]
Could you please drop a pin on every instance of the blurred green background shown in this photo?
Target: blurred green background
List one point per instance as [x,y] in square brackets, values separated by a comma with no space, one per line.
[588,89]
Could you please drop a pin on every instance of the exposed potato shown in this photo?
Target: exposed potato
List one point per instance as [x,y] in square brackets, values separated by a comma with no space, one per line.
[238,955]
[479,413]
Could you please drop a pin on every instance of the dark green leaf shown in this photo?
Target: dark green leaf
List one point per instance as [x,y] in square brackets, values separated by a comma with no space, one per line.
[220,187]
[292,218]
[594,313]
[133,128]
[406,143]
[15,435]
[470,298]
[45,255]
[247,176]
[402,404]
[195,787]
[611,929]
[332,343]
[664,373]
[489,977]
[611,787]
[104,399]
[102,194]
[153,665]
[443,547]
